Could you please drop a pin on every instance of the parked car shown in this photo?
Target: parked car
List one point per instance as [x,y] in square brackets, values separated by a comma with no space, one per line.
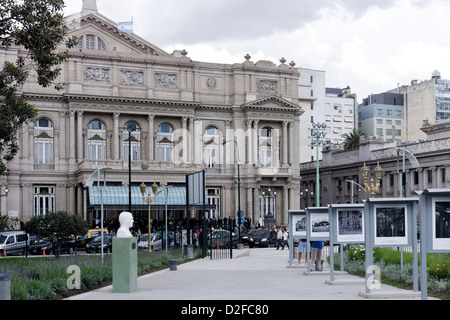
[221,239]
[13,242]
[82,241]
[157,241]
[96,244]
[68,246]
[262,238]
[246,236]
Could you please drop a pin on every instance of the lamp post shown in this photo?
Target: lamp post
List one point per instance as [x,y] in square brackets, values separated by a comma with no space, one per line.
[372,188]
[6,193]
[149,199]
[239,184]
[318,141]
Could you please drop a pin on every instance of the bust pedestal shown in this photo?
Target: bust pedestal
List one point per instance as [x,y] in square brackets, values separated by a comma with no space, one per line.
[124,263]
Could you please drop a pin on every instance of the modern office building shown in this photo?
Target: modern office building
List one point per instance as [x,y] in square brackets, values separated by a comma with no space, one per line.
[425,102]
[129,106]
[333,106]
[382,116]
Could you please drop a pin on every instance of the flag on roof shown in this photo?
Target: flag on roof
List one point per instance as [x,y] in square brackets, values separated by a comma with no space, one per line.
[125,27]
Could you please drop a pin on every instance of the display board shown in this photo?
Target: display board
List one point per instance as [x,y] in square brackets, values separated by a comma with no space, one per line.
[317,224]
[434,228]
[389,222]
[297,229]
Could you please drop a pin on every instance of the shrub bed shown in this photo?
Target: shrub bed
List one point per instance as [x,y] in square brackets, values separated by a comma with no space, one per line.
[45,278]
[389,261]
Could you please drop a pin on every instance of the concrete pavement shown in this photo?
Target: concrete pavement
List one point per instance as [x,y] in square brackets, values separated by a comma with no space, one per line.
[253,274]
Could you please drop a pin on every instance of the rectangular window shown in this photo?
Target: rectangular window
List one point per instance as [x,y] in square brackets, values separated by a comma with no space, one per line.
[44,200]
[379,112]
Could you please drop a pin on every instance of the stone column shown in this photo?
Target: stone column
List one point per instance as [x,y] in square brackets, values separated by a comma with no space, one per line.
[72,135]
[285,207]
[249,212]
[80,155]
[291,142]
[62,135]
[249,144]
[184,133]
[150,152]
[116,153]
[190,132]
[255,142]
[285,143]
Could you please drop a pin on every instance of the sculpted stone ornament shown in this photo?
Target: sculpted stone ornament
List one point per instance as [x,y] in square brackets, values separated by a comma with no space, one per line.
[126,222]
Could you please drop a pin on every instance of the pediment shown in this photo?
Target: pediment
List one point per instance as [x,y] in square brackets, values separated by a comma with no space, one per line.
[272,103]
[83,23]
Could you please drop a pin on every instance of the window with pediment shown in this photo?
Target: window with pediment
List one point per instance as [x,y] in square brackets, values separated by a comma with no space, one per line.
[266,147]
[164,143]
[134,130]
[96,140]
[211,147]
[43,142]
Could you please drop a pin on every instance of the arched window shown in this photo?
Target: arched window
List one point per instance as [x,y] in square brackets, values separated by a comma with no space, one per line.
[135,130]
[96,140]
[164,143]
[91,42]
[43,142]
[266,147]
[211,147]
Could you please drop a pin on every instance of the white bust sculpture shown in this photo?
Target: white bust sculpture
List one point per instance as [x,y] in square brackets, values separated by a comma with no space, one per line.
[126,222]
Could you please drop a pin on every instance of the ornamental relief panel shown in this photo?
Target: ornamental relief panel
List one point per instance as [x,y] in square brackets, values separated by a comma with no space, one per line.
[131,77]
[96,74]
[166,80]
[267,86]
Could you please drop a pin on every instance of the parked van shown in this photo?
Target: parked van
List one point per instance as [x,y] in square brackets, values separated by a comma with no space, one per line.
[13,242]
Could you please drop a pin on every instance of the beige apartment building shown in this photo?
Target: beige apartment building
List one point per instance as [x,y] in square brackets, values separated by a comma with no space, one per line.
[126,98]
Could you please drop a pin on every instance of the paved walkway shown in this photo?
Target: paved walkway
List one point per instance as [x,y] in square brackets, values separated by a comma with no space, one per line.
[253,274]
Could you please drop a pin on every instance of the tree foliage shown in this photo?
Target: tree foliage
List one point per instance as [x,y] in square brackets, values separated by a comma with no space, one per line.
[56,225]
[352,139]
[37,27]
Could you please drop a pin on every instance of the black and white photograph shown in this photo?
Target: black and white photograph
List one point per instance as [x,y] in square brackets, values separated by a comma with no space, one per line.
[299,223]
[390,224]
[441,224]
[350,224]
[320,225]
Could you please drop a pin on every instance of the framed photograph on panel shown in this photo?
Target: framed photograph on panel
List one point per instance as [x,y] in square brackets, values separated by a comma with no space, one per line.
[299,224]
[350,225]
[319,225]
[391,225]
[440,223]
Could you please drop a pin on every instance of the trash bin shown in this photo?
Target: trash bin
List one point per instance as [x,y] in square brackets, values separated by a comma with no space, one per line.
[189,251]
[5,287]
[173,264]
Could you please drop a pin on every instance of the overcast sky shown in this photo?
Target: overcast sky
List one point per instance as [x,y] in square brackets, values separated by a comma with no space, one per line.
[370,46]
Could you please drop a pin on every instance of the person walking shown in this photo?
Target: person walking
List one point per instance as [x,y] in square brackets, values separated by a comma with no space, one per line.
[279,238]
[301,249]
[285,236]
[316,255]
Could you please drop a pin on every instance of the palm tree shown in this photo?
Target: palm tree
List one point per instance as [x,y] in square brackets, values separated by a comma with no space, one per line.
[351,139]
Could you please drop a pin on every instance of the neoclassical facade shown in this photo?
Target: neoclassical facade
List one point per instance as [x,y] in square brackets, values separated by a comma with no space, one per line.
[128,103]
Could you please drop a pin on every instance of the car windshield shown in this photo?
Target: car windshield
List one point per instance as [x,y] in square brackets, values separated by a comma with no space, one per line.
[261,233]
[99,238]
[220,234]
[2,239]
[144,237]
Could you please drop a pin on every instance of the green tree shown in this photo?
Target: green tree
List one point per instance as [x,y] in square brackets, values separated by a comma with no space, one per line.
[37,27]
[56,225]
[351,140]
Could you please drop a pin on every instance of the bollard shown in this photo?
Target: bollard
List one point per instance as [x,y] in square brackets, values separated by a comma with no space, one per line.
[5,287]
[189,251]
[173,264]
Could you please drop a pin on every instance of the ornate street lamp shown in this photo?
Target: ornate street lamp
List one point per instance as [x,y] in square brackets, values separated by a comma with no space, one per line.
[372,188]
[149,199]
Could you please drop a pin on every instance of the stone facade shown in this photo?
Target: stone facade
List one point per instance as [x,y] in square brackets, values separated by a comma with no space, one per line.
[182,111]
[338,166]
